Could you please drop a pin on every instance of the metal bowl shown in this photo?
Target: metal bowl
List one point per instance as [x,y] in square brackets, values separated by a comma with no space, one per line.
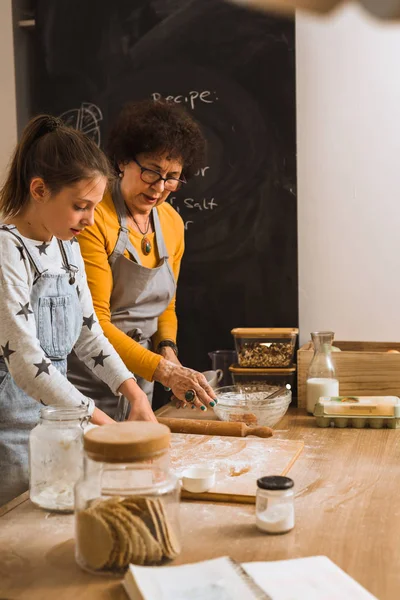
[250,404]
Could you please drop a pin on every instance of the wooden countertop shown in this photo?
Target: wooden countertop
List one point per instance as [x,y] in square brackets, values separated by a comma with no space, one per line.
[347,508]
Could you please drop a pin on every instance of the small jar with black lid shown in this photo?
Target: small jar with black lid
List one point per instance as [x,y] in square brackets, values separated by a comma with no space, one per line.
[275,504]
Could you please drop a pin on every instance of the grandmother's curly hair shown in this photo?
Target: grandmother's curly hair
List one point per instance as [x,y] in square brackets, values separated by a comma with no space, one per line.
[157,127]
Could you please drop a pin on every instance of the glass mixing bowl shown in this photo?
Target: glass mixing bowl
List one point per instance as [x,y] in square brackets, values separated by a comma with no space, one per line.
[250,404]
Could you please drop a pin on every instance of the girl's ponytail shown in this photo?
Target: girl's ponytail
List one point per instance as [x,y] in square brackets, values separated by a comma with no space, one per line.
[48,149]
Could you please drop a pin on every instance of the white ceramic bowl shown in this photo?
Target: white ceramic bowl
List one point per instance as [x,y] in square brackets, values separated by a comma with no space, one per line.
[198,479]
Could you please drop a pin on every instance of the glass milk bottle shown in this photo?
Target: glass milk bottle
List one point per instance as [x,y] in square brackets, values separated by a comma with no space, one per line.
[321,380]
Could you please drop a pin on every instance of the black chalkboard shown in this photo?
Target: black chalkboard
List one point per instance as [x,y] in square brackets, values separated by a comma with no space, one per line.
[235,71]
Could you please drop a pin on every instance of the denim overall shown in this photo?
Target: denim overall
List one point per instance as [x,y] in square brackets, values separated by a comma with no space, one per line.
[58,315]
[139,296]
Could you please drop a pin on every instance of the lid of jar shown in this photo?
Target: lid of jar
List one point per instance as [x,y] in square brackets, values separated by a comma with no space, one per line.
[259,371]
[275,482]
[126,442]
[259,332]
[63,413]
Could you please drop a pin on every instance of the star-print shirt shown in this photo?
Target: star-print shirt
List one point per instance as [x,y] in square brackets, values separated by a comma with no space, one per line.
[26,361]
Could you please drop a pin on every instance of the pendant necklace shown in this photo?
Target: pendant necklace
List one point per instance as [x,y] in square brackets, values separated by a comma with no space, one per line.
[145,243]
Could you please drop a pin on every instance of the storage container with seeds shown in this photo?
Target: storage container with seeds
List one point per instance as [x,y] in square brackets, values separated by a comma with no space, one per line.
[127,503]
[265,347]
[279,377]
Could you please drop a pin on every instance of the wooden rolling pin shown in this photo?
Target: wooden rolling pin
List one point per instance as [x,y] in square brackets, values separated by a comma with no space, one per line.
[214,428]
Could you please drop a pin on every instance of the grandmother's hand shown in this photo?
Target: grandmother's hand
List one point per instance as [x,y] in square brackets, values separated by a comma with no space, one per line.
[169,354]
[185,383]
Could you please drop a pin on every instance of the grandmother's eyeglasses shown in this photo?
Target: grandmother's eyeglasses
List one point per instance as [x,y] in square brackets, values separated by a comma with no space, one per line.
[172,184]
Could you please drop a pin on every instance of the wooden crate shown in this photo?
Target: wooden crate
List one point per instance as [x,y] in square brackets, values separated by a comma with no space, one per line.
[363,368]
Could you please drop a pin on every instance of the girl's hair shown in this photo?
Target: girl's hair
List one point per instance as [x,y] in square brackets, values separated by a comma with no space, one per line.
[157,127]
[60,155]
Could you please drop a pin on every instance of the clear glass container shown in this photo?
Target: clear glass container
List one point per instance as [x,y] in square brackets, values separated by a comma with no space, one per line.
[265,347]
[56,457]
[222,359]
[253,404]
[279,377]
[321,378]
[127,502]
[275,504]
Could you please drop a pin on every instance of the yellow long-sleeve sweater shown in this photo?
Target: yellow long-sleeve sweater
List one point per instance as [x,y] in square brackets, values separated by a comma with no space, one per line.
[97,243]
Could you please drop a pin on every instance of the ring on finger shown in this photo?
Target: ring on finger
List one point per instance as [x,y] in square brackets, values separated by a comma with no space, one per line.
[190,396]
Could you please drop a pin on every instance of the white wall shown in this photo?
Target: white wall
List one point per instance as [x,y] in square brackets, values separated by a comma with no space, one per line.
[348,98]
[8,116]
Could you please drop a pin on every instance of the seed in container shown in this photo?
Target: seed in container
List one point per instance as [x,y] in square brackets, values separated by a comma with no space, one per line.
[265,354]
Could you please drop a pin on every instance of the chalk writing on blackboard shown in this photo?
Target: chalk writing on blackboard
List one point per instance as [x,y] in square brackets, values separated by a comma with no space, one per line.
[201,172]
[190,98]
[86,118]
[189,207]
[204,204]
[194,206]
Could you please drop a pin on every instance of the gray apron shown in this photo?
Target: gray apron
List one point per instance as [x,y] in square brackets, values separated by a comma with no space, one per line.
[139,296]
[58,315]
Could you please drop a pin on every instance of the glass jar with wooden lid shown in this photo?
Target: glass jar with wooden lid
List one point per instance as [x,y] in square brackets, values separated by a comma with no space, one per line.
[127,502]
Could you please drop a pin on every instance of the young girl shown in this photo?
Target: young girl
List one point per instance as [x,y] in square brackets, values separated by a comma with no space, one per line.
[56,179]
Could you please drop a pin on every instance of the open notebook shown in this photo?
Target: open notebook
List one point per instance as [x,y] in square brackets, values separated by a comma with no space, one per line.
[313,578]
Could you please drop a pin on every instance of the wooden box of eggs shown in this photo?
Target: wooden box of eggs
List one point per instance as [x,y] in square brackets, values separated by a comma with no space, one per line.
[362,368]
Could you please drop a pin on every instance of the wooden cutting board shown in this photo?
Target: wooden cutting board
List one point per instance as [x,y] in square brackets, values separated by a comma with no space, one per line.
[238,462]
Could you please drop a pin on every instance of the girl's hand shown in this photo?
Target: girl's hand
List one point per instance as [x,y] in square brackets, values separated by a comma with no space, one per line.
[100,418]
[182,380]
[141,409]
[139,403]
